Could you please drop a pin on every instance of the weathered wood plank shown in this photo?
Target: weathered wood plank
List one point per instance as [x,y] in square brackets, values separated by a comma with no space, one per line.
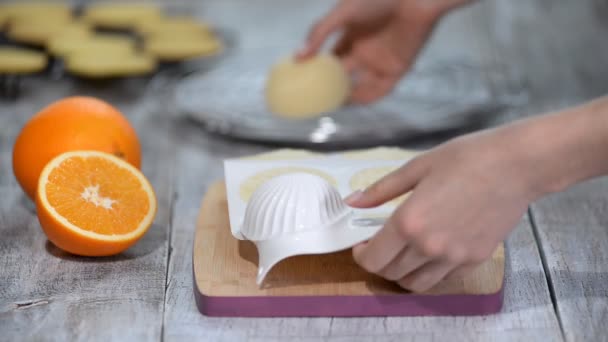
[572,226]
[8,128]
[46,294]
[13,115]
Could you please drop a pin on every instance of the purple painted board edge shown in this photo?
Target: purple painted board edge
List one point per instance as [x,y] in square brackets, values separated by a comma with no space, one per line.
[348,306]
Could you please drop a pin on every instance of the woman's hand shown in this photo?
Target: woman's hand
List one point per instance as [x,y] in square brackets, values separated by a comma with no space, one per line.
[469,193]
[466,196]
[380,39]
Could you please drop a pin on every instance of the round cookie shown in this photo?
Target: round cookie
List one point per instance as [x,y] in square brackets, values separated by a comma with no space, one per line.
[40,32]
[62,46]
[249,186]
[75,29]
[364,178]
[36,10]
[120,16]
[91,64]
[170,48]
[4,19]
[21,61]
[171,25]
[300,90]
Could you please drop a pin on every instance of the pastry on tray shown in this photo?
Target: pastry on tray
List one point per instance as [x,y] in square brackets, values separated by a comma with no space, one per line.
[175,48]
[21,61]
[91,64]
[120,16]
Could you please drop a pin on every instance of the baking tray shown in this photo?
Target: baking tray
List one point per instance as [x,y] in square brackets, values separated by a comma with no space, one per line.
[434,97]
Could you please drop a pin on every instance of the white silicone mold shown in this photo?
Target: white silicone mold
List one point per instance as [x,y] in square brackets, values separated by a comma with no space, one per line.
[296,214]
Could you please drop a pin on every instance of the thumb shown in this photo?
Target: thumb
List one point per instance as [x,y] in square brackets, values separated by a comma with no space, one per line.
[389,187]
[319,33]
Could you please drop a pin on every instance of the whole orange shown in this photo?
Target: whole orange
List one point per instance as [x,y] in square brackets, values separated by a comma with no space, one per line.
[73,123]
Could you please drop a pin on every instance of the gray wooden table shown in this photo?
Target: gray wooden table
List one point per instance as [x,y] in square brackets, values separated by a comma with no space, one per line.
[557,257]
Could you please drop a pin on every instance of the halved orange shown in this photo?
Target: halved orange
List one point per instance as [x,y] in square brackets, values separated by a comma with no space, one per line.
[94,204]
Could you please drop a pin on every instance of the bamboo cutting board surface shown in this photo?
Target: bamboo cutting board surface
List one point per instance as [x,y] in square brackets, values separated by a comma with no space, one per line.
[225,269]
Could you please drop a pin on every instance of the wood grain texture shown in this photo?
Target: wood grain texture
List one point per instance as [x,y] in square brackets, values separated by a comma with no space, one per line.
[14,114]
[571,226]
[9,127]
[198,164]
[225,270]
[46,294]
[227,267]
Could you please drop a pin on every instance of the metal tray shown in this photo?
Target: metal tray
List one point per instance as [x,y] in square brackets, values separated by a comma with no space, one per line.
[434,97]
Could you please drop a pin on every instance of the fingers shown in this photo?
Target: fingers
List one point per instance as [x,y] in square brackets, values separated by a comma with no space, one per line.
[378,252]
[379,57]
[406,262]
[332,22]
[389,256]
[344,45]
[370,87]
[351,66]
[462,271]
[390,186]
[376,72]
[426,276]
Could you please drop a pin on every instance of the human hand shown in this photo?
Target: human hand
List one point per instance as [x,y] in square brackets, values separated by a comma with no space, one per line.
[466,196]
[380,40]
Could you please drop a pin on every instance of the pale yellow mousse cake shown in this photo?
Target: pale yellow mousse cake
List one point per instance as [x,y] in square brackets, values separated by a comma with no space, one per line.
[307,89]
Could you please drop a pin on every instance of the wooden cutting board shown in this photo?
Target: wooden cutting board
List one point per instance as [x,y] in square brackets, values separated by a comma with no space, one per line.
[225,269]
